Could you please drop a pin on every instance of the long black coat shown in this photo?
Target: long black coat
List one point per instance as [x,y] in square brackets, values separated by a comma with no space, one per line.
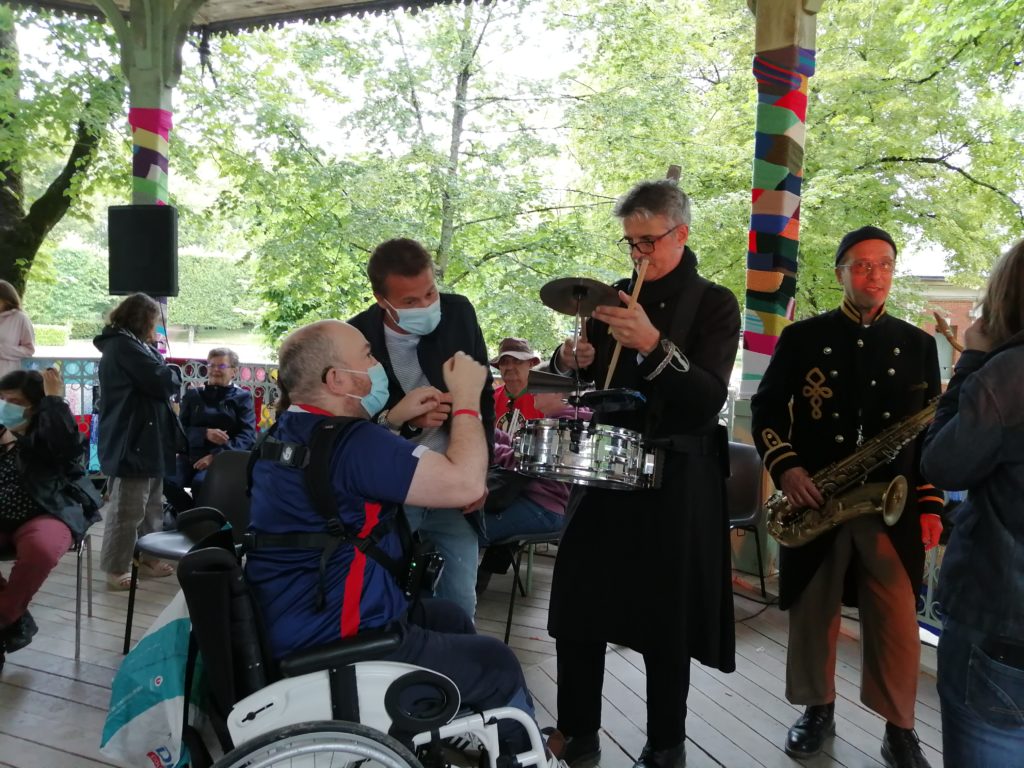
[651,569]
[458,331]
[836,377]
[139,432]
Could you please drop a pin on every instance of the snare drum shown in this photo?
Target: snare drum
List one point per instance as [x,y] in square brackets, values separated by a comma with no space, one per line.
[574,451]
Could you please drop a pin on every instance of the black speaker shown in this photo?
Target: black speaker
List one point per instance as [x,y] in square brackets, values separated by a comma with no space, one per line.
[143,243]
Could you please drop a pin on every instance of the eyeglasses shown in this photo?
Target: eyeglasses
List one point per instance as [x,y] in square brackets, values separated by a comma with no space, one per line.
[219,366]
[645,246]
[861,268]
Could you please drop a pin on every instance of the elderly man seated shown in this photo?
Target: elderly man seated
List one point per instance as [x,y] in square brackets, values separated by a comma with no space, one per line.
[317,581]
[514,361]
[217,417]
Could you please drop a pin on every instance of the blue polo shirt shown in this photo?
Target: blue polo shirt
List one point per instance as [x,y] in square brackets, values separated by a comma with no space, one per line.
[371,474]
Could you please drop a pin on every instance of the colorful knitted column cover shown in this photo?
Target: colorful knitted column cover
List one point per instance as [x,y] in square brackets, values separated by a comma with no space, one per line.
[782,76]
[151,129]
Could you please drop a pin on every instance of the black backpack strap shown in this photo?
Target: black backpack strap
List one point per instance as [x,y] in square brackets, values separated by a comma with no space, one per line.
[328,438]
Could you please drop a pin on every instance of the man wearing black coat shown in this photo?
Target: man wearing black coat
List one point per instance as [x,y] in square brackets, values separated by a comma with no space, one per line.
[834,381]
[413,329]
[650,569]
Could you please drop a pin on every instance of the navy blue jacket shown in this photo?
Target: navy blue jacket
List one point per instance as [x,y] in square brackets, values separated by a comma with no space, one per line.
[214,407]
[977,442]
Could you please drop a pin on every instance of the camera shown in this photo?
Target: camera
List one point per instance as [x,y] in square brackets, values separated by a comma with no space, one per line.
[425,568]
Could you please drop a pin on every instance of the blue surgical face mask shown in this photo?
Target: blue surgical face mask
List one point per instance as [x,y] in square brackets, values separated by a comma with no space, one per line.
[12,415]
[418,320]
[375,400]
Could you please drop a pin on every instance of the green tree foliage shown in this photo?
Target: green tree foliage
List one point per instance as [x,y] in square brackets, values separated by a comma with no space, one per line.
[69,287]
[213,293]
[56,106]
[439,144]
[935,157]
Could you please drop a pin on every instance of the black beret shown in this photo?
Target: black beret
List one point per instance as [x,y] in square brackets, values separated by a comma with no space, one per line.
[850,239]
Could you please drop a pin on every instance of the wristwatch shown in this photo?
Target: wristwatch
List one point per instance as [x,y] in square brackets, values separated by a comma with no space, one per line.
[382,419]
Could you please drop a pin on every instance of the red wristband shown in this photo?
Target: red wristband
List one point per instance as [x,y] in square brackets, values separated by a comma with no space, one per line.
[468,412]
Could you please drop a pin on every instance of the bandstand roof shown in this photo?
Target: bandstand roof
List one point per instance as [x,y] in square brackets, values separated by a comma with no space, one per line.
[219,16]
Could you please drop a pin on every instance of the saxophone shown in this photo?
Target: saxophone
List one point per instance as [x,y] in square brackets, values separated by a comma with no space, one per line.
[846,494]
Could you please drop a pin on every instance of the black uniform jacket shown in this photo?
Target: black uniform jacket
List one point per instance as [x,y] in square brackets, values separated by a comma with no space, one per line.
[650,569]
[139,432]
[831,383]
[457,331]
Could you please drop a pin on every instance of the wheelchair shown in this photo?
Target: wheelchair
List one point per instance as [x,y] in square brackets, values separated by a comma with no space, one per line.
[333,705]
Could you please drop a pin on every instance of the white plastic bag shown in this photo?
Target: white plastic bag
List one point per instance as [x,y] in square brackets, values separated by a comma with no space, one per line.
[144,723]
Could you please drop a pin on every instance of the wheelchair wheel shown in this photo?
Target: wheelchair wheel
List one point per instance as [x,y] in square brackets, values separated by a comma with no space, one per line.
[327,744]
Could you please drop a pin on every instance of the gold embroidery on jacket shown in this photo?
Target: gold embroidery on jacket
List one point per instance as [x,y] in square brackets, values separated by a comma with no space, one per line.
[815,392]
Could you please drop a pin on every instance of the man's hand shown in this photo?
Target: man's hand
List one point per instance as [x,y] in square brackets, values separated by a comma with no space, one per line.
[422,407]
[800,490]
[630,325]
[204,462]
[583,358]
[976,336]
[931,530]
[53,383]
[464,378]
[478,504]
[217,436]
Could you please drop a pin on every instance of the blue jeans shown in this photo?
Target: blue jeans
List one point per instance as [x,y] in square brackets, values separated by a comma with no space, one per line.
[982,702]
[456,539]
[519,518]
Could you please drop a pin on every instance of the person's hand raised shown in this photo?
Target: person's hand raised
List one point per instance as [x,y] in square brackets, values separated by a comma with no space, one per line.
[53,383]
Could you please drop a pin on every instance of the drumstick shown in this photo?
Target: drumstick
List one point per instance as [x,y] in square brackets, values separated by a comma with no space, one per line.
[632,302]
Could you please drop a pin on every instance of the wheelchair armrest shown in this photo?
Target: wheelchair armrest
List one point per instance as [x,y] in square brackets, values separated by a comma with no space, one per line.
[198,515]
[362,647]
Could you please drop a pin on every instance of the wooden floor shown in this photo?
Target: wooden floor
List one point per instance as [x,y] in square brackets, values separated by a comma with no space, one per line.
[52,709]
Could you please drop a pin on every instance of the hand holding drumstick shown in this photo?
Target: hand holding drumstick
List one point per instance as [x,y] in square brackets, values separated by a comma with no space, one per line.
[629,325]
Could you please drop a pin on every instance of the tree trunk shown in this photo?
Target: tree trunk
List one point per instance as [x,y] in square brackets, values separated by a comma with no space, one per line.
[21,233]
[467,52]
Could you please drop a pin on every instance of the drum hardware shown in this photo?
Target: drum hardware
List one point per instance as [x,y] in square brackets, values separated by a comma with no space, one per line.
[641,273]
[582,453]
[609,400]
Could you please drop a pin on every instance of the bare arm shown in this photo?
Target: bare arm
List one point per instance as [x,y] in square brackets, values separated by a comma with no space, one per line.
[458,477]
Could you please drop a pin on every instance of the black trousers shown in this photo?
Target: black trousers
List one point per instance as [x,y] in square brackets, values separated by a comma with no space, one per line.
[581,678]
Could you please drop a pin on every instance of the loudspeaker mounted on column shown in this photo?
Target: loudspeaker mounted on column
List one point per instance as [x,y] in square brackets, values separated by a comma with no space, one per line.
[143,247]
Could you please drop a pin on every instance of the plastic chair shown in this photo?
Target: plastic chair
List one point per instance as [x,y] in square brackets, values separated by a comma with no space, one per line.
[83,548]
[744,497]
[222,498]
[521,544]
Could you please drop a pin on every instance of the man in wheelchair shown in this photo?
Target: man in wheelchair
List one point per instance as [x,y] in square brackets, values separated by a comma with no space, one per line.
[327,551]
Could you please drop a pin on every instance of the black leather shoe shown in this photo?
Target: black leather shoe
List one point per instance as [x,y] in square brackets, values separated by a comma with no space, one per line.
[673,757]
[808,734]
[902,749]
[19,634]
[576,751]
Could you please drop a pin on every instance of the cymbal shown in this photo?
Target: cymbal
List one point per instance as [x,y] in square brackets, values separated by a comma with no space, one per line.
[540,382]
[572,295]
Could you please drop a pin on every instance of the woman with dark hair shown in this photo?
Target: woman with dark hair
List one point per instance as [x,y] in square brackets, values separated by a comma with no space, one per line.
[43,507]
[17,338]
[977,443]
[138,434]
